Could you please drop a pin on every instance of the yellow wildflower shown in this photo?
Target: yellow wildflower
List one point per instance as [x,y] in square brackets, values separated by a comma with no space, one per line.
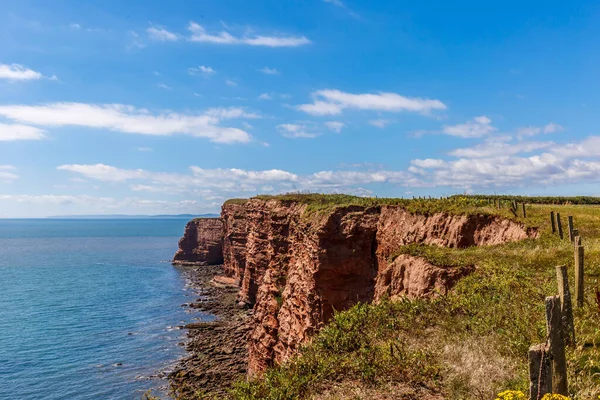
[512,395]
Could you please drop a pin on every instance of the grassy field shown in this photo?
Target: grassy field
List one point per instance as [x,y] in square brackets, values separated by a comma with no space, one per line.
[470,344]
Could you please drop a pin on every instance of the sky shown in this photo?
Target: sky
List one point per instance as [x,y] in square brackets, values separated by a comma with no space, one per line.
[167,107]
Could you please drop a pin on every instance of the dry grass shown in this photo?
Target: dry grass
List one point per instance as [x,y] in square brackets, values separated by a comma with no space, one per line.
[475,368]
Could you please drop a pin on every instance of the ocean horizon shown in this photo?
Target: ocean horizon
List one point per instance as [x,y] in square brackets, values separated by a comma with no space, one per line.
[90,308]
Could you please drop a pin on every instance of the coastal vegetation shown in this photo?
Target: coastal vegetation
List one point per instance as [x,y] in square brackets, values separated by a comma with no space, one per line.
[469,344]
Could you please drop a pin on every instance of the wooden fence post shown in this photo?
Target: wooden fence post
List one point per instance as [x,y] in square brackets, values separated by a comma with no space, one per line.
[571,228]
[540,372]
[577,238]
[559,225]
[579,267]
[566,306]
[552,222]
[557,345]
[524,211]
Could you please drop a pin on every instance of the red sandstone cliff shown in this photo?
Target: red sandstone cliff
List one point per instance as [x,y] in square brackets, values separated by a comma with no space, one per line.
[295,268]
[202,242]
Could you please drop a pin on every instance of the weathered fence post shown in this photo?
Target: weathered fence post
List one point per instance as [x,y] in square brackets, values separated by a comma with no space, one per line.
[524,211]
[566,306]
[571,228]
[540,372]
[557,345]
[552,221]
[579,267]
[559,225]
[577,238]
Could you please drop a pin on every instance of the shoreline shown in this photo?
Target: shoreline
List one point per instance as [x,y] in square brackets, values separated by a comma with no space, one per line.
[217,351]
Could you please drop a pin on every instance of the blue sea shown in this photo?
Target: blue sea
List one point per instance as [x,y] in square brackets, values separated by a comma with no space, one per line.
[89,308]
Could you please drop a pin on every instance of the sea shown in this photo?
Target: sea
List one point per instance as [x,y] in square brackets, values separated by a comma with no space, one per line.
[90,309]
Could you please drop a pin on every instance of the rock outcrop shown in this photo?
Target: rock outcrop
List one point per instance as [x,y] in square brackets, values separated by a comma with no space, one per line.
[296,267]
[202,243]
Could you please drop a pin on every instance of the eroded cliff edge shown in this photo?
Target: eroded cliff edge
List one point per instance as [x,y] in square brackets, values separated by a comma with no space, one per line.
[295,266]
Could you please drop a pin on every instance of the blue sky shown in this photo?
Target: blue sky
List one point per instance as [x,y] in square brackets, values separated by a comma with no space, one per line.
[172,107]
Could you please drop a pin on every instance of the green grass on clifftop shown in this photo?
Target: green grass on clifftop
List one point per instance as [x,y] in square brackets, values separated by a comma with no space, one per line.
[469,344]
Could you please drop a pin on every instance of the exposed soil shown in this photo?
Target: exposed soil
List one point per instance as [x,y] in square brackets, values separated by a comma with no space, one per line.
[218,350]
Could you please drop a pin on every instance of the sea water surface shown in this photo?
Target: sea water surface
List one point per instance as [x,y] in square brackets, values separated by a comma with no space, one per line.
[87,307]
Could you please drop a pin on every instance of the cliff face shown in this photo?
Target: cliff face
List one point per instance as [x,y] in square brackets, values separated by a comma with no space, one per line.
[202,243]
[234,239]
[296,268]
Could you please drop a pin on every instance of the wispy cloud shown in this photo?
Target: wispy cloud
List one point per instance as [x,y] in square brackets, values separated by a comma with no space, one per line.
[202,70]
[14,132]
[230,82]
[161,34]
[128,119]
[17,72]
[294,131]
[201,35]
[475,128]
[535,130]
[7,174]
[335,126]
[135,41]
[333,102]
[269,71]
[163,86]
[265,96]
[380,123]
[336,3]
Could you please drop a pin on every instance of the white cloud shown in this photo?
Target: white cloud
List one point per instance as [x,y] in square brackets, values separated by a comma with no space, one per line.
[333,102]
[337,3]
[163,86]
[12,132]
[144,149]
[493,148]
[204,70]
[230,113]
[476,128]
[501,164]
[199,34]
[75,26]
[229,82]
[265,96]
[269,71]
[534,130]
[7,175]
[161,34]
[552,128]
[294,131]
[335,126]
[224,182]
[128,119]
[380,123]
[17,72]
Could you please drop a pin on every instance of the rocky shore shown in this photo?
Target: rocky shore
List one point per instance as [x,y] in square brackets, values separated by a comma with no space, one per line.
[218,350]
